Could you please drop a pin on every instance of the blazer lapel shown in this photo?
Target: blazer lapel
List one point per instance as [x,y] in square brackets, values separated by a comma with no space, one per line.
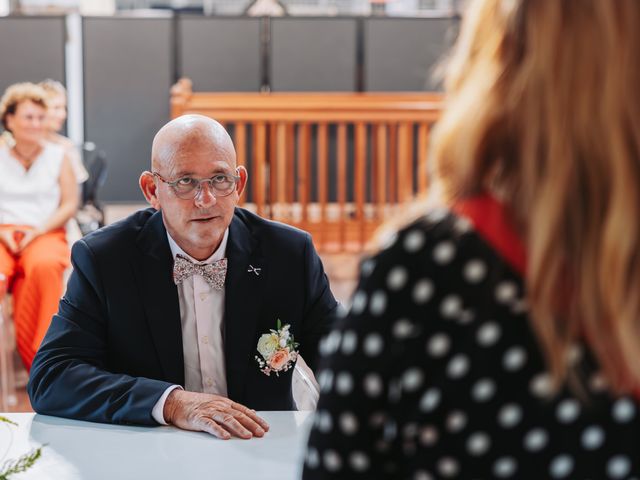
[244,288]
[160,298]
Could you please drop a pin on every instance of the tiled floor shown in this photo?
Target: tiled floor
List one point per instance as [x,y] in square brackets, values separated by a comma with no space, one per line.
[341,270]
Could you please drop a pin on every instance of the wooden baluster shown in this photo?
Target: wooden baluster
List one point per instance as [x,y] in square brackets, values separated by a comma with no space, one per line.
[241,149]
[260,154]
[423,157]
[304,180]
[323,160]
[290,161]
[380,167]
[393,163]
[280,173]
[342,182]
[405,161]
[360,178]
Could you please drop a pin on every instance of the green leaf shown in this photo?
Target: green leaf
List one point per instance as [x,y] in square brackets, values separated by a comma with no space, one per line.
[22,464]
[279,324]
[6,420]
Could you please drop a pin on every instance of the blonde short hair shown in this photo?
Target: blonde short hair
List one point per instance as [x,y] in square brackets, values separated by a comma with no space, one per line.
[17,93]
[53,88]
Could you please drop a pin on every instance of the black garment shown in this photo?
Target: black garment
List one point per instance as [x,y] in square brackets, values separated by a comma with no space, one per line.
[435,373]
[116,343]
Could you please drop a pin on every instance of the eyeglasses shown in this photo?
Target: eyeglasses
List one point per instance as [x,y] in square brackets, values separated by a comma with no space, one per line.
[220,185]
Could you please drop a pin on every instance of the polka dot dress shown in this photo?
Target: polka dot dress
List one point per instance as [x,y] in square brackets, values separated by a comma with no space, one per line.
[435,374]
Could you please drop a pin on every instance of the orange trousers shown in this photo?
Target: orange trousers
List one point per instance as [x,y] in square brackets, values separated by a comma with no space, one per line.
[36,282]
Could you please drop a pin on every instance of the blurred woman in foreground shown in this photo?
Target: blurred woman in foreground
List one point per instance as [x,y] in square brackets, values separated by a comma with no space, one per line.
[499,337]
[38,194]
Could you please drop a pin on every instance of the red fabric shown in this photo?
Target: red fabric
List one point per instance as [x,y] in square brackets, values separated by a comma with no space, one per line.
[493,223]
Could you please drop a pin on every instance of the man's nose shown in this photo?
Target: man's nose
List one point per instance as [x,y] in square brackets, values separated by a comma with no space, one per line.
[205,195]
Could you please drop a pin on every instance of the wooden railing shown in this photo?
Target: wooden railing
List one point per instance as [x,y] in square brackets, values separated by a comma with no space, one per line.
[335,164]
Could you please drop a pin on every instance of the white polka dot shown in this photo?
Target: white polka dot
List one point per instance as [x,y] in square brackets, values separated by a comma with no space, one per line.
[506,291]
[483,390]
[509,415]
[536,440]
[324,422]
[561,466]
[438,345]
[458,366]
[403,328]
[349,342]
[331,343]
[373,345]
[444,252]
[312,459]
[378,303]
[514,359]
[348,423]
[474,271]
[413,241]
[359,461]
[568,410]
[592,438]
[505,467]
[488,334]
[367,267]
[325,381]
[422,291]
[429,436]
[598,383]
[456,421]
[412,379]
[372,385]
[359,302]
[618,466]
[478,443]
[388,239]
[430,400]
[451,306]
[462,225]
[448,467]
[332,461]
[541,385]
[422,475]
[437,214]
[344,383]
[623,410]
[397,278]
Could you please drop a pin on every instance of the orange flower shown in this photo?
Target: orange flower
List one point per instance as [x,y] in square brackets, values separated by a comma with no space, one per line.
[279,359]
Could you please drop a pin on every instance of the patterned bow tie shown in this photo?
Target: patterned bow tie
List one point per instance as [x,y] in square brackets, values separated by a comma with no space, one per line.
[213,273]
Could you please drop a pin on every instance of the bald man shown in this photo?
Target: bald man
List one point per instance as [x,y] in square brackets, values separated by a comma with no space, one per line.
[163,312]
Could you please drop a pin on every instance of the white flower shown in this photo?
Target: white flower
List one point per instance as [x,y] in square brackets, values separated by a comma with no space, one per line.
[267,345]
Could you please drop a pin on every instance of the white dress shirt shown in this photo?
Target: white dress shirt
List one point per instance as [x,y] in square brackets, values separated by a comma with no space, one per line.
[201,315]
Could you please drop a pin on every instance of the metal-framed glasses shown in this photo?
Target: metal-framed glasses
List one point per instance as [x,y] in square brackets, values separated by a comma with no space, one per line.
[220,185]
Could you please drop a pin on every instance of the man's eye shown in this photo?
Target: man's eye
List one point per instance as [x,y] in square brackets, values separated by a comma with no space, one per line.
[220,179]
[186,182]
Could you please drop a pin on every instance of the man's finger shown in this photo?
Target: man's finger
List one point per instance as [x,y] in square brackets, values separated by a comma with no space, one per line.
[228,422]
[209,426]
[250,424]
[252,415]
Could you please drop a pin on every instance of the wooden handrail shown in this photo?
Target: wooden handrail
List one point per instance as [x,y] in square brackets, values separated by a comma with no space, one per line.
[334,164]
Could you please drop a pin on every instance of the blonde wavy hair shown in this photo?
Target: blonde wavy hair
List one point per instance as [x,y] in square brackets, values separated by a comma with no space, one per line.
[17,93]
[543,110]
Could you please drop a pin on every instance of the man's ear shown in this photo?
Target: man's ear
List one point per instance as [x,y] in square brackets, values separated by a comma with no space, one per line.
[242,172]
[149,189]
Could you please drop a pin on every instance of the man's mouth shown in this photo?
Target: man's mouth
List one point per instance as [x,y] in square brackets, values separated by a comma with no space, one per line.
[203,219]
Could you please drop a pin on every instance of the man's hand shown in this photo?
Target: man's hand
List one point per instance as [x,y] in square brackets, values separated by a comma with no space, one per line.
[213,414]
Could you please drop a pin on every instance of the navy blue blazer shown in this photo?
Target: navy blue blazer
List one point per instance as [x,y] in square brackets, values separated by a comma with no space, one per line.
[115,344]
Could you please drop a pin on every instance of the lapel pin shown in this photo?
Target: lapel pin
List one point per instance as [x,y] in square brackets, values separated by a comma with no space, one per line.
[255,270]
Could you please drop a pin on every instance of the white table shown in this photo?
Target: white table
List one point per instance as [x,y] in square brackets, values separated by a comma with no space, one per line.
[83,450]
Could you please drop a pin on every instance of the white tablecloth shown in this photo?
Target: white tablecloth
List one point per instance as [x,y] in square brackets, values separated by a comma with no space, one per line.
[82,450]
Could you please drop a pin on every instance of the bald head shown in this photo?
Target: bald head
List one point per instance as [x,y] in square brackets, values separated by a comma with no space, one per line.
[186,133]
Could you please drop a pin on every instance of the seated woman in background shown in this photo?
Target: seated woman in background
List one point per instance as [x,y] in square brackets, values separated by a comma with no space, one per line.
[38,194]
[56,116]
[499,337]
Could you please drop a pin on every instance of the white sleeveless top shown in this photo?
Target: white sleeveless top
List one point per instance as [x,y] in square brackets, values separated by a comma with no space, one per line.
[29,197]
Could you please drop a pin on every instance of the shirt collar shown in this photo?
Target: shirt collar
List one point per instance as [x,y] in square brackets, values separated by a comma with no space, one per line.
[219,254]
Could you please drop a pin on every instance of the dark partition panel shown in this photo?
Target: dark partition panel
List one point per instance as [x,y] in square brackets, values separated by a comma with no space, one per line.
[400,53]
[220,54]
[313,54]
[128,67]
[31,49]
